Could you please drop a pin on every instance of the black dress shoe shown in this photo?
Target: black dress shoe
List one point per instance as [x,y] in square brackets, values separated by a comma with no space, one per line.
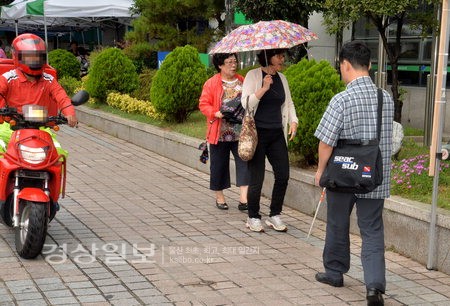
[222,206]
[374,297]
[242,206]
[324,278]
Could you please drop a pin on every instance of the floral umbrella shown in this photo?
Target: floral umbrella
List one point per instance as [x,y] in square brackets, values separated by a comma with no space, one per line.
[263,35]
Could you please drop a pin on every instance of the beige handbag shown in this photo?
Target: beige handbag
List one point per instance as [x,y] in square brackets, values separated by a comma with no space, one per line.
[248,138]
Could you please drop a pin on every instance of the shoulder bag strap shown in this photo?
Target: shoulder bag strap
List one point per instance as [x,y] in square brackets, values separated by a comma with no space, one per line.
[247,108]
[380,112]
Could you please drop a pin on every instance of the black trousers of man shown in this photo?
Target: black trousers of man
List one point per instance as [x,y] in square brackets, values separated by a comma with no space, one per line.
[336,254]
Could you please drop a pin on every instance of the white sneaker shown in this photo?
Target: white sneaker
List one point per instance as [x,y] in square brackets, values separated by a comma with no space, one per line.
[276,223]
[254,224]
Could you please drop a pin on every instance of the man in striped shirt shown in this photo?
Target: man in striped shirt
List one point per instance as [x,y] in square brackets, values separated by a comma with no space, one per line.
[352,114]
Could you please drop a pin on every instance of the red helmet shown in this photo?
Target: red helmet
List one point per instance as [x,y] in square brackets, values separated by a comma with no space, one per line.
[29,53]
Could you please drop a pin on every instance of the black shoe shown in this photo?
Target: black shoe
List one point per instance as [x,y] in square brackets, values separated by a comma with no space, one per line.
[374,297]
[242,206]
[324,278]
[222,206]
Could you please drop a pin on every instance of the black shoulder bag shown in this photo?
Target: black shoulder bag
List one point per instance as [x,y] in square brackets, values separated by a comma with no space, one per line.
[356,166]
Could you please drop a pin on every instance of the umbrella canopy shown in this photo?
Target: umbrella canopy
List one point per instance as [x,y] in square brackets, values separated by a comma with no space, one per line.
[263,35]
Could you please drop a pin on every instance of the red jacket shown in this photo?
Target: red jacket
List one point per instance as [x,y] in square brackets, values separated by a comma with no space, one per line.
[46,91]
[210,103]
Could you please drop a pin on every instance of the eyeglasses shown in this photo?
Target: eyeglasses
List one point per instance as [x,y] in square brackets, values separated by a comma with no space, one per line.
[230,63]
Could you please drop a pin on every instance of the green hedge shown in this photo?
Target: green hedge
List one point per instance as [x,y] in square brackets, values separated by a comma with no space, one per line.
[178,83]
[312,86]
[65,63]
[111,71]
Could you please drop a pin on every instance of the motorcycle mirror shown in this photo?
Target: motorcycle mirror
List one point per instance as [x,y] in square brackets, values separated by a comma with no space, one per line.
[80,98]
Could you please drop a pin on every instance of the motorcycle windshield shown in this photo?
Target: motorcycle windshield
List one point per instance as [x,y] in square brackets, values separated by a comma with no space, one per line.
[34,113]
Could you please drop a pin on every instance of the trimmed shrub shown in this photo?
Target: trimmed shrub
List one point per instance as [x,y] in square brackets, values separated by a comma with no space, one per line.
[111,71]
[70,84]
[178,83]
[210,71]
[131,105]
[244,71]
[312,86]
[143,56]
[145,84]
[65,63]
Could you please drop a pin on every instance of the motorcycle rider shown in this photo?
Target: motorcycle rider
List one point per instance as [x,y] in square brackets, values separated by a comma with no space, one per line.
[27,83]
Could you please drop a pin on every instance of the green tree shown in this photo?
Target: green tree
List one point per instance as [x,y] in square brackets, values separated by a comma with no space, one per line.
[296,11]
[169,24]
[178,83]
[383,14]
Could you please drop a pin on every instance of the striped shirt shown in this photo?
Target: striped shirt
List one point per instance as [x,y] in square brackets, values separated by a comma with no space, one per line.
[352,114]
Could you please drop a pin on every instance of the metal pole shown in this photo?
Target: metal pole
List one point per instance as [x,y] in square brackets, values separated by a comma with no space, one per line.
[45,33]
[438,124]
[431,84]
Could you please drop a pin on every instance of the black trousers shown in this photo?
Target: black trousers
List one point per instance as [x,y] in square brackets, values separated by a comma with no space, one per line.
[219,155]
[336,254]
[271,143]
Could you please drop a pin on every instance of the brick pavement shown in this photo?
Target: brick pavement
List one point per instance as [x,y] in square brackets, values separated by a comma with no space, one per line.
[138,229]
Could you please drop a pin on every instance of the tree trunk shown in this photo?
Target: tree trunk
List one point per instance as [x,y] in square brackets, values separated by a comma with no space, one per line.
[395,94]
[393,55]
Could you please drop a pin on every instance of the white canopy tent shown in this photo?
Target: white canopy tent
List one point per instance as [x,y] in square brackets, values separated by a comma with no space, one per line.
[65,13]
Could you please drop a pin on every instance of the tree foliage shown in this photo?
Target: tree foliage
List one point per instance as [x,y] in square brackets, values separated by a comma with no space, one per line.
[178,84]
[383,14]
[175,23]
[296,11]
[143,55]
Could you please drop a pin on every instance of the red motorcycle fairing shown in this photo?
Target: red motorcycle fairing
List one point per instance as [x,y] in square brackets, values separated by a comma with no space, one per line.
[54,163]
[56,184]
[34,195]
[35,139]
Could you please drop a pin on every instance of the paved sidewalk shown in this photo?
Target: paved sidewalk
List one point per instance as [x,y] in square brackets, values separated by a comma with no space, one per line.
[137,228]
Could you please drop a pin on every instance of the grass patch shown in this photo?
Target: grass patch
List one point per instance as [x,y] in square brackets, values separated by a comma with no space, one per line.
[410,178]
[410,131]
[195,126]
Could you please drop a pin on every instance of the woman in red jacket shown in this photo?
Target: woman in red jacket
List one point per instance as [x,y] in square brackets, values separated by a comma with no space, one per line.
[221,95]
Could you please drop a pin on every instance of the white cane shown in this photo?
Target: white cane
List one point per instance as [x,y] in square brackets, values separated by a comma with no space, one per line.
[322,196]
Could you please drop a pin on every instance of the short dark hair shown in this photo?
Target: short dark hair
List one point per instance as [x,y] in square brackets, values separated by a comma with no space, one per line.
[219,59]
[356,53]
[265,55]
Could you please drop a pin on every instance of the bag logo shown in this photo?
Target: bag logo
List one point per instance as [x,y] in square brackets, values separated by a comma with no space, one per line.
[346,162]
[367,172]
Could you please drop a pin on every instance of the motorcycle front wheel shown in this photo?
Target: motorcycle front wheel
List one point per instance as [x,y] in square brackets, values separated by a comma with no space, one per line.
[31,233]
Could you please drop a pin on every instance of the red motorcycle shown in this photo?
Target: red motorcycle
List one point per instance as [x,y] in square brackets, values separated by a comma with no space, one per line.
[32,175]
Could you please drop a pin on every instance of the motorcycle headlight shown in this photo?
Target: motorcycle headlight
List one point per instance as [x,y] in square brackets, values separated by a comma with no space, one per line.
[32,155]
